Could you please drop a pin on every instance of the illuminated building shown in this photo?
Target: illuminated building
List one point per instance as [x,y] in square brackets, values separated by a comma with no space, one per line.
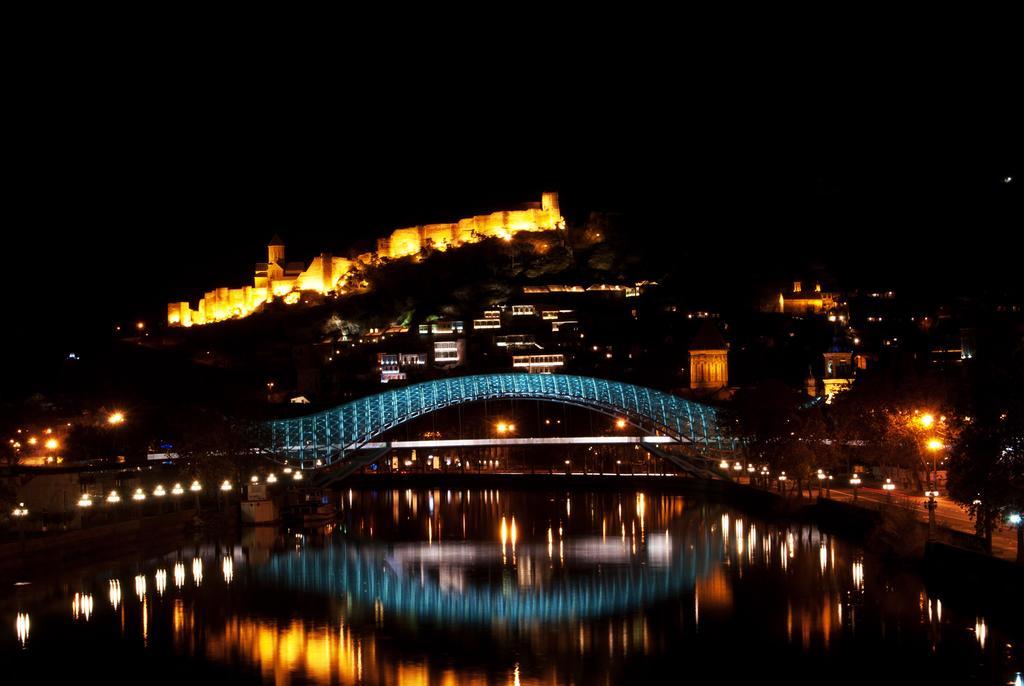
[538,364]
[441,326]
[277,278]
[543,216]
[517,341]
[392,366]
[450,353]
[838,371]
[798,301]
[709,360]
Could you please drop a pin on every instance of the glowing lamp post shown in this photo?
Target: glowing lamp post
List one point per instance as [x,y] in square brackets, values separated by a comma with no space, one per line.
[1015,520]
[196,488]
[20,512]
[159,492]
[821,481]
[888,487]
[855,483]
[567,467]
[930,505]
[782,483]
[934,445]
[115,418]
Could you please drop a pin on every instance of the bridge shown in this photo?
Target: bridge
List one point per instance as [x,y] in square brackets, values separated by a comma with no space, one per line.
[347,437]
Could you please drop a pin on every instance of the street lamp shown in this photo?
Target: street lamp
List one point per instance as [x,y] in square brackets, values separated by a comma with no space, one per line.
[1015,520]
[85,500]
[113,498]
[115,418]
[225,486]
[934,445]
[620,423]
[821,481]
[926,420]
[888,487]
[930,505]
[20,512]
[271,478]
[297,476]
[177,490]
[782,483]
[855,482]
[139,495]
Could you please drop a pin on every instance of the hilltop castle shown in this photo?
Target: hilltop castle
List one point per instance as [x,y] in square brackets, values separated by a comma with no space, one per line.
[543,216]
[277,278]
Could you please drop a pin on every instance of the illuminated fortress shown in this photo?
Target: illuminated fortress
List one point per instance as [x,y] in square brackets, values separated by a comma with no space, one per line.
[277,278]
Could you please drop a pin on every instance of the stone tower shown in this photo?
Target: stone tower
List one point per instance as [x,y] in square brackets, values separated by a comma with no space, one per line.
[549,202]
[709,360]
[275,251]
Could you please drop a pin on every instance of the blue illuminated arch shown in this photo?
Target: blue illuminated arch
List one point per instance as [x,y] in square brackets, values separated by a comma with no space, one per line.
[329,436]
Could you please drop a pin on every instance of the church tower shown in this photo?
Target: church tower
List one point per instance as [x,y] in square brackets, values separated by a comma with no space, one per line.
[709,360]
[275,251]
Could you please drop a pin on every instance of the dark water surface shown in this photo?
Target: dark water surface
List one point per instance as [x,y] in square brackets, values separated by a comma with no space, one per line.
[504,587]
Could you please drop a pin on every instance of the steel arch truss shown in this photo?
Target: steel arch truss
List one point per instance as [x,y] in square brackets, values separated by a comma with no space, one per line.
[332,435]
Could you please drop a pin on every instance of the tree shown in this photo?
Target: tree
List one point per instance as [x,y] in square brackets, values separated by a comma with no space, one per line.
[889,418]
[986,470]
[214,446]
[777,429]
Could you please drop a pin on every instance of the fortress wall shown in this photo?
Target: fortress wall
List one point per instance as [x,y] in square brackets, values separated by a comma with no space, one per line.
[325,271]
[442,236]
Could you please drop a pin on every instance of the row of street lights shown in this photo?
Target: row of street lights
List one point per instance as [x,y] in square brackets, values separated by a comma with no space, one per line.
[159,491]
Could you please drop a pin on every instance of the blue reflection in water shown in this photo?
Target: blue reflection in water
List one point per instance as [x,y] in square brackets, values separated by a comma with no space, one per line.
[371,573]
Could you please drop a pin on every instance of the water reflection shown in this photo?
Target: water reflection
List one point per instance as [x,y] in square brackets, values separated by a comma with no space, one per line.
[22,624]
[496,587]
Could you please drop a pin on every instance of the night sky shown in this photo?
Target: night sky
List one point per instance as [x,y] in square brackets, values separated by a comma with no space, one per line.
[128,194]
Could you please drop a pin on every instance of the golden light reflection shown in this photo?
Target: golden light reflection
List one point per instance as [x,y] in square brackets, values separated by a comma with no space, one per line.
[504,538]
[22,625]
[140,586]
[179,574]
[114,592]
[981,631]
[857,571]
[81,606]
[161,581]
